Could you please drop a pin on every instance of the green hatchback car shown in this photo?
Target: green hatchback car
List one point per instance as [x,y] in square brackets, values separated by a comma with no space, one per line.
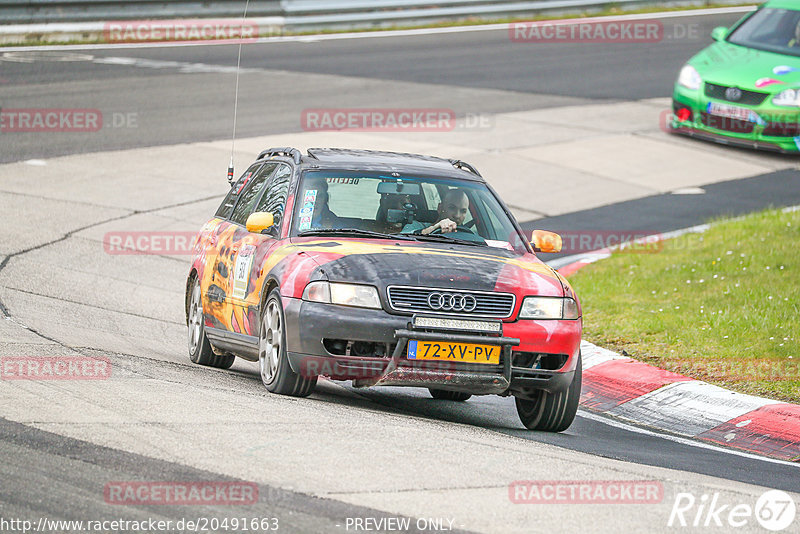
[744,89]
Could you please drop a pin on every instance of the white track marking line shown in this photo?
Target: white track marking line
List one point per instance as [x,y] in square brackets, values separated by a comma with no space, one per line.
[395,33]
[677,439]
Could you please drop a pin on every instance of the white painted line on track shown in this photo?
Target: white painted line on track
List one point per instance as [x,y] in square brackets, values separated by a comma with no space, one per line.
[677,439]
[393,33]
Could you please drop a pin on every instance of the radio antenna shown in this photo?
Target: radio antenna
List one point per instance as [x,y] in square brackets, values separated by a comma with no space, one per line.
[236,97]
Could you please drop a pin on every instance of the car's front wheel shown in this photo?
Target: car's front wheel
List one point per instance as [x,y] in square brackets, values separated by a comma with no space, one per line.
[442,394]
[552,412]
[276,373]
[200,351]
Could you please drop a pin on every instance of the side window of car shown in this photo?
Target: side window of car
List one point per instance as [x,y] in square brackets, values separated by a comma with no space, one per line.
[249,195]
[274,199]
[226,207]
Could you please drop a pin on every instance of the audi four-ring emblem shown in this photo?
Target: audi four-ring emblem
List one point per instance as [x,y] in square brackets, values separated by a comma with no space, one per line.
[452,302]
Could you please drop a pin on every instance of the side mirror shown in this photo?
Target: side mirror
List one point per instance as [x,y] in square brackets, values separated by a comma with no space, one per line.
[260,221]
[544,241]
[719,33]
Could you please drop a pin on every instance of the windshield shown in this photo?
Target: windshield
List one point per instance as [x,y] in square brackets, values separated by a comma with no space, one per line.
[410,207]
[772,30]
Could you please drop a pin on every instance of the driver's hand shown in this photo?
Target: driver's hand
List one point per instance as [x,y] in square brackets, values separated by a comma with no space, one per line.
[446,225]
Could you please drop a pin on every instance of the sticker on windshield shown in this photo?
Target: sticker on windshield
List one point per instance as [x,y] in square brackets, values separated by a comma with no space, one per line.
[307,210]
[241,274]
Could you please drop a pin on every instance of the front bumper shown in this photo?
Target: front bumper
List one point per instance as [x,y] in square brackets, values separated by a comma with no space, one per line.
[776,129]
[308,324]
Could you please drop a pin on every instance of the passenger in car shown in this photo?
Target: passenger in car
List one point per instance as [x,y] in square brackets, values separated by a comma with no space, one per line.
[452,211]
[795,41]
[323,217]
[391,202]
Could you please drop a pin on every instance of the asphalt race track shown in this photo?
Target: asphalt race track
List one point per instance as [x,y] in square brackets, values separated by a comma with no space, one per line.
[287,77]
[343,453]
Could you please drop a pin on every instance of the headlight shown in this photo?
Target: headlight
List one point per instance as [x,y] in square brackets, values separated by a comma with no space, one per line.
[690,78]
[342,294]
[548,308]
[789,98]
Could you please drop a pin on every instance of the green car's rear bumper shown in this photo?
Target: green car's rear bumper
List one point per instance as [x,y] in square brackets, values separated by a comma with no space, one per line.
[770,128]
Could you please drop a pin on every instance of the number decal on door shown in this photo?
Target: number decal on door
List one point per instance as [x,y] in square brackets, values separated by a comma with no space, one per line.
[241,271]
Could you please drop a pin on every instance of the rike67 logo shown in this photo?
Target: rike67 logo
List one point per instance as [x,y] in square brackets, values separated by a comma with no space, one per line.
[775,510]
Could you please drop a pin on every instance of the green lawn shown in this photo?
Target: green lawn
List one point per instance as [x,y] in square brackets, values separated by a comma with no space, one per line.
[723,306]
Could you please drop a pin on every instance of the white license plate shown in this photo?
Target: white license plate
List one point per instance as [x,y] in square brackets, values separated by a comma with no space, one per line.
[731,112]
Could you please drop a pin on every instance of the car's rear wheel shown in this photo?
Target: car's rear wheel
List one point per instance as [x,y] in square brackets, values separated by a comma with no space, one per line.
[442,394]
[200,351]
[552,412]
[276,373]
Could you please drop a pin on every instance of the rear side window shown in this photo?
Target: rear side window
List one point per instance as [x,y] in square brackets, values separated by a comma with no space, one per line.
[274,200]
[226,207]
[250,193]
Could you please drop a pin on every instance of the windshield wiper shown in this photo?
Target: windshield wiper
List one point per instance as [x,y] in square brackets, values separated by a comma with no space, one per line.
[444,238]
[352,231]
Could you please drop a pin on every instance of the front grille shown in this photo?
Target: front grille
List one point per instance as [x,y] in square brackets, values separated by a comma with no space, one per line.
[727,124]
[748,98]
[416,299]
[781,129]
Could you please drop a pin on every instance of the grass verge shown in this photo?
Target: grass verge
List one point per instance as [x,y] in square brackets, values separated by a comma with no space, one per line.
[722,306]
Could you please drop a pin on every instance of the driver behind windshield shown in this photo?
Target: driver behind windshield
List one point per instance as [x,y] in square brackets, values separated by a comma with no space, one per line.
[795,42]
[452,211]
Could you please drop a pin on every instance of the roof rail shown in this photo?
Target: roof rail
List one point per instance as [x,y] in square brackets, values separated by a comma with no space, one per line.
[458,164]
[285,151]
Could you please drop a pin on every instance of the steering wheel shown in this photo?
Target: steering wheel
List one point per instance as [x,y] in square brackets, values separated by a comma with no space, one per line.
[459,228]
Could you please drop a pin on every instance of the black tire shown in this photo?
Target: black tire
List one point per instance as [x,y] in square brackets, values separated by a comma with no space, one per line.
[200,351]
[442,394]
[552,412]
[276,373]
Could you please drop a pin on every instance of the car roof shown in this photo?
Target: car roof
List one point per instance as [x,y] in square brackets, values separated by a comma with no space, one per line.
[374,160]
[783,4]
